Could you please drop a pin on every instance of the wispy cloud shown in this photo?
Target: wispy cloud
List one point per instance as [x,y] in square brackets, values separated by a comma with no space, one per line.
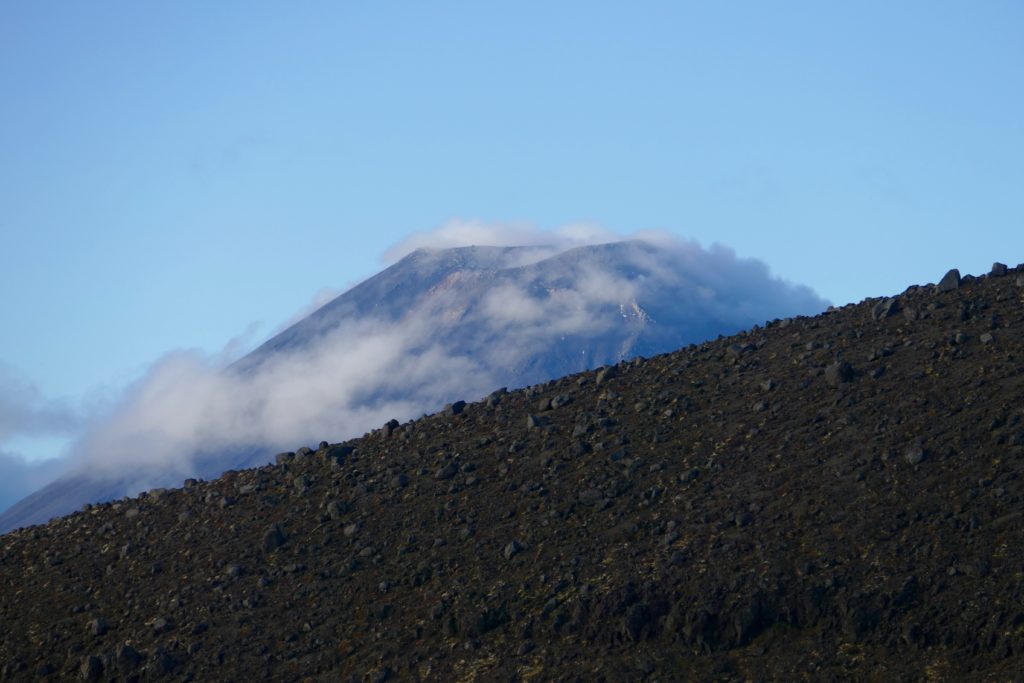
[25,412]
[467,233]
[454,342]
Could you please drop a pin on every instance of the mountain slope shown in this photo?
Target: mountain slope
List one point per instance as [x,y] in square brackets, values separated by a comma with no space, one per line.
[436,326]
[826,498]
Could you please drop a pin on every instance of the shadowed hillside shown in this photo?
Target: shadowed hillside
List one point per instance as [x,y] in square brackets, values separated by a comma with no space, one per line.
[827,498]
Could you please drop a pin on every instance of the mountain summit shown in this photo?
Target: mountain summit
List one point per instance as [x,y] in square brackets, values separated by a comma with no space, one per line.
[527,314]
[439,325]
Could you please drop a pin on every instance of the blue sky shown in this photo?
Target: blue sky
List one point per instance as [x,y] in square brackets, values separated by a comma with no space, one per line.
[179,175]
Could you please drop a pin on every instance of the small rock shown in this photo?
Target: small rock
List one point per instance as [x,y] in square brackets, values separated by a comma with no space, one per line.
[986,338]
[512,549]
[689,475]
[950,281]
[533,422]
[338,454]
[390,426]
[737,350]
[446,472]
[162,663]
[636,618]
[998,269]
[91,668]
[885,308]
[127,658]
[233,571]
[606,373]
[560,401]
[581,429]
[399,481]
[282,458]
[838,373]
[915,454]
[455,408]
[98,626]
[274,538]
[351,529]
[334,510]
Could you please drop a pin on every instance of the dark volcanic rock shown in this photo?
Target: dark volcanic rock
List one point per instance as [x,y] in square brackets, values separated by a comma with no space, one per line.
[743,509]
[885,308]
[838,373]
[950,281]
[273,539]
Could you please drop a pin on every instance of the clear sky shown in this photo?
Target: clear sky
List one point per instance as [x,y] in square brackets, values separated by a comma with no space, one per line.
[175,175]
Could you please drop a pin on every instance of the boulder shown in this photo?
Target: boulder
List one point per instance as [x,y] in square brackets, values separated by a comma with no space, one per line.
[838,373]
[950,281]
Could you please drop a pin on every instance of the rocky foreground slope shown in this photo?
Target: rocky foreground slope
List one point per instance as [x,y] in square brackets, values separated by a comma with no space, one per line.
[827,498]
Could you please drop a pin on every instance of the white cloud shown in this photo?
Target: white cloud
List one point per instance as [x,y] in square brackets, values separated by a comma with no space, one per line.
[351,381]
[469,233]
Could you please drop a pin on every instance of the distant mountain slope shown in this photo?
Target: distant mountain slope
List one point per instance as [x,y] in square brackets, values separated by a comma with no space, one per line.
[457,323]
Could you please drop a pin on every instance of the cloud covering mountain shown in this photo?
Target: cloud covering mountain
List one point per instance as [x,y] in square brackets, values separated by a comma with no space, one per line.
[443,323]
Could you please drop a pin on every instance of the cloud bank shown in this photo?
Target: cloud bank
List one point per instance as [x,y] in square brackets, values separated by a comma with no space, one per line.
[469,333]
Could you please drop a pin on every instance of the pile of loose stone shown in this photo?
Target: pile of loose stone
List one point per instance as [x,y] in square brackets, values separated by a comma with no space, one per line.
[819,498]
